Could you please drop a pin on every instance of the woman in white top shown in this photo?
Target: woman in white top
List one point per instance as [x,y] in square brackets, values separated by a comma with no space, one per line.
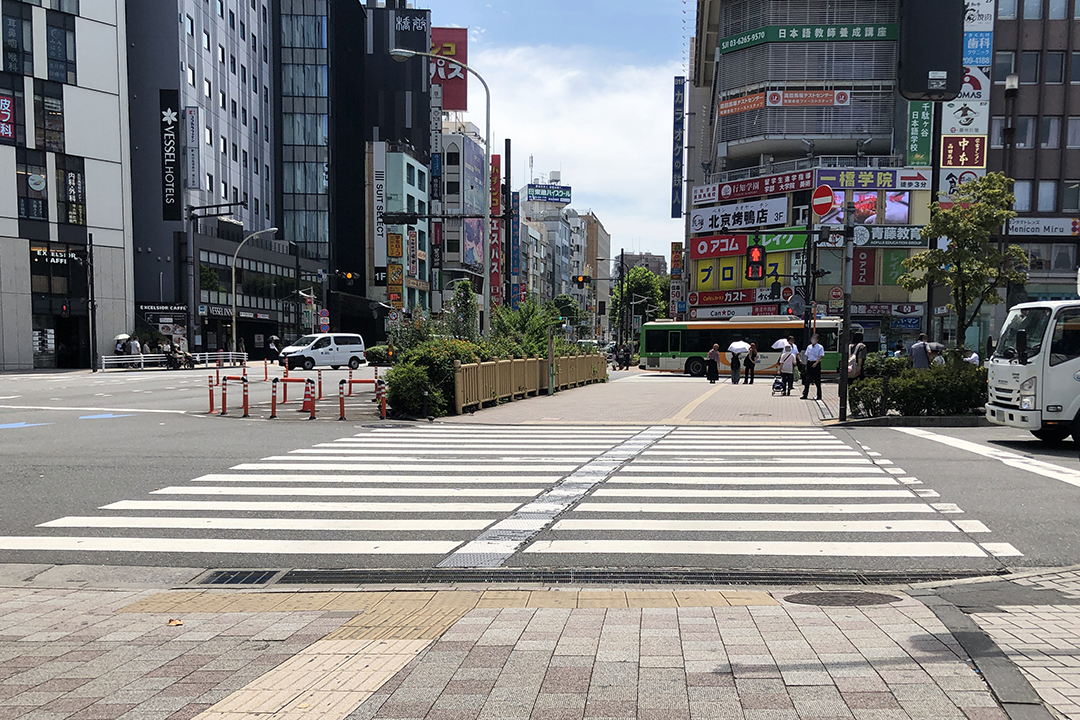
[787,369]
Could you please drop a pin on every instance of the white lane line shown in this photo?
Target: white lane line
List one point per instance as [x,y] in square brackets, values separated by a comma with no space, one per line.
[218,523]
[277,507]
[419,458]
[761,508]
[639,468]
[742,480]
[95,409]
[565,444]
[1056,472]
[971,526]
[797,548]
[762,461]
[224,546]
[1001,550]
[352,453]
[394,479]
[810,526]
[348,491]
[788,493]
[402,467]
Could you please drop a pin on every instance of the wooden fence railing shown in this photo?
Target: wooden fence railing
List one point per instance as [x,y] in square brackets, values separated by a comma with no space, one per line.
[490,382]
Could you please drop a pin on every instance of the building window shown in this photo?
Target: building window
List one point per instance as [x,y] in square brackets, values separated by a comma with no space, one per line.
[235,153]
[1029,67]
[266,55]
[1004,64]
[1022,191]
[191,76]
[70,190]
[12,112]
[49,116]
[256,168]
[254,43]
[303,80]
[255,124]
[223,145]
[222,99]
[232,19]
[1032,9]
[304,129]
[453,187]
[235,194]
[234,109]
[264,14]
[1070,196]
[224,190]
[243,31]
[189,25]
[255,83]
[207,90]
[243,115]
[221,8]
[221,54]
[232,64]
[1055,68]
[410,174]
[453,158]
[997,131]
[256,206]
[60,46]
[1047,195]
[18,38]
[33,187]
[421,179]
[1074,66]
[1072,134]
[209,182]
[410,203]
[1006,9]
[244,157]
[1025,131]
[209,135]
[1058,9]
[206,41]
[243,74]
[1050,137]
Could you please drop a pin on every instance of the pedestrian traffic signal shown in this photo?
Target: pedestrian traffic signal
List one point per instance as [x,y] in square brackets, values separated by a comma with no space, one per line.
[755,262]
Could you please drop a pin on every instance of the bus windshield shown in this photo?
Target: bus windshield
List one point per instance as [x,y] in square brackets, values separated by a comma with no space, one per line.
[1034,320]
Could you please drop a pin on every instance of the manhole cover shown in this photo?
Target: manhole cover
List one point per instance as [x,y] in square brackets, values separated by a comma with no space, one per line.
[841,599]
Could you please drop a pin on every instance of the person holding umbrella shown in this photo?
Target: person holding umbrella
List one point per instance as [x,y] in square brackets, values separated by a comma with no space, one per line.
[736,349]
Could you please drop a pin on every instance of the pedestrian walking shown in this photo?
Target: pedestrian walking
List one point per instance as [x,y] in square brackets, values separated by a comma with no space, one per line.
[899,352]
[972,358]
[795,351]
[856,357]
[712,364]
[787,369]
[814,353]
[243,349]
[736,363]
[920,353]
[626,357]
[749,363]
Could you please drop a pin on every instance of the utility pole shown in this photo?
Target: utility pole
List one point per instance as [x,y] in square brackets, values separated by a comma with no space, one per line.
[845,329]
[92,304]
[622,295]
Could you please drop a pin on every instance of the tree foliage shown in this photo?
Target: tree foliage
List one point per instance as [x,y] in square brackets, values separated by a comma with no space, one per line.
[972,267]
[526,327]
[462,315]
[645,295]
[566,306]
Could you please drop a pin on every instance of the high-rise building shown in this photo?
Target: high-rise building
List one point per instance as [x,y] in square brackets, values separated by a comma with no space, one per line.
[463,194]
[598,262]
[656,264]
[66,183]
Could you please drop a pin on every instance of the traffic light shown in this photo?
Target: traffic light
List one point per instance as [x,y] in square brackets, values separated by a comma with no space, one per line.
[65,310]
[400,218]
[581,280]
[349,278]
[755,262]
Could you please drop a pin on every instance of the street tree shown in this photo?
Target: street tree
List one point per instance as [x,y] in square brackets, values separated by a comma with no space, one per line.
[461,315]
[973,266]
[527,326]
[566,306]
[644,293]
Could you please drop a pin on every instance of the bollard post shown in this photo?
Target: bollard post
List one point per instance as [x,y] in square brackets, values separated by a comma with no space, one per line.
[273,399]
[309,390]
[246,413]
[341,398]
[210,382]
[350,382]
[243,371]
[320,384]
[266,371]
[380,392]
[224,390]
[217,375]
[285,390]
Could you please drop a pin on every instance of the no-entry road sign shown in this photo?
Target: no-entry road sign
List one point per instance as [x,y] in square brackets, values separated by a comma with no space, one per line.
[822,200]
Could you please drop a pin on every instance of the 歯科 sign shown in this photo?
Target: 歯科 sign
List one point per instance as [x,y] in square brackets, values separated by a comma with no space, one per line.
[753,187]
[759,213]
[451,44]
[169,120]
[809,33]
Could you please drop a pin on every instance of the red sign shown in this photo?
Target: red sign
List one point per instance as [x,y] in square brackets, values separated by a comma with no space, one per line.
[496,231]
[714,246]
[822,200]
[726,297]
[787,293]
[753,187]
[451,44]
[766,310]
[967,151]
[836,293]
[808,98]
[862,269]
[741,104]
[7,117]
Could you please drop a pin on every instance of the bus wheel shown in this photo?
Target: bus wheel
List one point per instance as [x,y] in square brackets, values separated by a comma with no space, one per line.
[1052,433]
[695,367]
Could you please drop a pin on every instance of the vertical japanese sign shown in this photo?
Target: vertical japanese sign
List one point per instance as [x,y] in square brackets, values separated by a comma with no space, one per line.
[169,118]
[515,249]
[892,265]
[920,128]
[435,189]
[7,116]
[863,266]
[677,294]
[975,113]
[378,207]
[451,44]
[495,232]
[414,258]
[679,125]
[192,148]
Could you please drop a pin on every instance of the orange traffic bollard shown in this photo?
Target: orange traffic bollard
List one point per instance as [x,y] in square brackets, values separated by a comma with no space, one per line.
[341,398]
[380,392]
[210,382]
[246,413]
[320,383]
[309,398]
[266,371]
[224,391]
[273,400]
[350,382]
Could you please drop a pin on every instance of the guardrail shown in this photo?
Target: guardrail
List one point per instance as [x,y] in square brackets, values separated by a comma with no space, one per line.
[158,360]
[479,383]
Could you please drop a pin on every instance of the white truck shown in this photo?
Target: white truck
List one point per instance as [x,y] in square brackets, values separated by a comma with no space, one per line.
[1034,374]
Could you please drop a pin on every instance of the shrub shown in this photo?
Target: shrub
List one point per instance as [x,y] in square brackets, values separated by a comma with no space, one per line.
[437,358]
[877,365]
[942,390]
[864,397]
[378,355]
[406,384]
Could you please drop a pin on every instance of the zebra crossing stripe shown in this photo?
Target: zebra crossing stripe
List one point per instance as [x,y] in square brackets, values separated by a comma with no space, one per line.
[640,468]
[342,507]
[403,467]
[348,491]
[799,526]
[620,479]
[762,508]
[711,452]
[231,545]
[353,453]
[787,493]
[776,547]
[234,523]
[395,479]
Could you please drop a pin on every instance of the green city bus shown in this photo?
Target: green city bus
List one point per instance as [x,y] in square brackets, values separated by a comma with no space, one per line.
[669,346]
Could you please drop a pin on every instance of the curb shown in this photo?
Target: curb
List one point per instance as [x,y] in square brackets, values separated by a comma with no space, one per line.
[916,421]
[1010,688]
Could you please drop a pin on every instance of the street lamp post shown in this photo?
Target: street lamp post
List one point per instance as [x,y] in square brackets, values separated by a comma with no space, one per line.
[401,55]
[1012,90]
[270,231]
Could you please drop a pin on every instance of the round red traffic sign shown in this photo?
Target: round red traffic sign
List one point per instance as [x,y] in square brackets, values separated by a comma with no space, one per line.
[786,293]
[822,200]
[836,293]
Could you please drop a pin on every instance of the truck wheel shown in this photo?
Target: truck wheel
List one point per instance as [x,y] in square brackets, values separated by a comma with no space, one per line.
[354,363]
[309,364]
[1052,433]
[695,367]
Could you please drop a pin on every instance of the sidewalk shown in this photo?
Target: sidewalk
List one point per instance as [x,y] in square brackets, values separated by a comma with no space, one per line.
[501,653]
[651,398]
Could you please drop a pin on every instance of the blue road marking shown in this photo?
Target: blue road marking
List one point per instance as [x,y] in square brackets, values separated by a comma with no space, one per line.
[106,416]
[12,426]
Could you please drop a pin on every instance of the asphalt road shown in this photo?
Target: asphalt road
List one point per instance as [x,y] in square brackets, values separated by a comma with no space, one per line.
[128,469]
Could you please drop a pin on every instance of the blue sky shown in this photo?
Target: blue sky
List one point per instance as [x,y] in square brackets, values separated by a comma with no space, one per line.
[585,86]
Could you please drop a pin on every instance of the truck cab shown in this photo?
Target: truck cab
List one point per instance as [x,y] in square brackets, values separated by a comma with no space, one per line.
[1034,373]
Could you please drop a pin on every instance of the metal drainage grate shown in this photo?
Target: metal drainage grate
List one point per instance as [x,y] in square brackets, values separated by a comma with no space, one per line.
[841,599]
[388,426]
[238,577]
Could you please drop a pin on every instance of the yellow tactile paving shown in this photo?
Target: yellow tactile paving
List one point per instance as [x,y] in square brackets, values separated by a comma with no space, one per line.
[601,599]
[556,599]
[700,598]
[307,601]
[747,597]
[356,601]
[650,599]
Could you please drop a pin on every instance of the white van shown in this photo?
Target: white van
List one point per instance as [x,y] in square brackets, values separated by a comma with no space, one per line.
[333,349]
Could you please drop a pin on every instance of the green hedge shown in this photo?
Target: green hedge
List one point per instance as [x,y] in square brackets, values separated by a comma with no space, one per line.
[378,355]
[405,386]
[955,389]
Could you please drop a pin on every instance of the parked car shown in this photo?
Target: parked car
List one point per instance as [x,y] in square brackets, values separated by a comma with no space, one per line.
[333,349]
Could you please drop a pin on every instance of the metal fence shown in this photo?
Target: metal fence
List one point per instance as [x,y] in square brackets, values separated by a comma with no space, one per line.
[158,360]
[498,380]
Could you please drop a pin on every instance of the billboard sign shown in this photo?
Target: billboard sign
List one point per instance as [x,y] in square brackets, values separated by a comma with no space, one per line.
[451,44]
[874,178]
[964,117]
[809,33]
[472,243]
[378,205]
[808,98]
[677,142]
[890,236]
[169,119]
[495,237]
[740,104]
[753,187]
[960,151]
[536,192]
[976,87]
[1052,227]
[758,213]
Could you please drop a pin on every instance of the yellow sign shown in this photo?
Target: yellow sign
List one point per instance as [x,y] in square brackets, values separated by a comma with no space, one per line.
[395,274]
[775,265]
[729,273]
[394,245]
[706,275]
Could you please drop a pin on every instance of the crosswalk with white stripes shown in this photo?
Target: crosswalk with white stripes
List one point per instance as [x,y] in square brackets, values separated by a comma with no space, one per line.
[579,496]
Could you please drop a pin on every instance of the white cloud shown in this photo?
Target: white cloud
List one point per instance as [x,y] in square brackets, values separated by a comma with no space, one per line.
[605,124]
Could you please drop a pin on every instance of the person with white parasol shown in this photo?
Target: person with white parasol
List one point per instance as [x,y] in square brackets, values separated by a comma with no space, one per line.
[737,349]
